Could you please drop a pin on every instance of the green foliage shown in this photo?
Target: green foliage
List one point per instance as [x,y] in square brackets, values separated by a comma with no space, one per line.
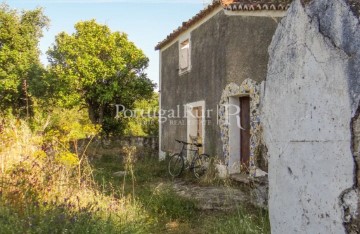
[243,221]
[92,68]
[46,179]
[99,69]
[61,131]
[60,219]
[68,125]
[145,122]
[19,58]
[165,203]
[160,202]
[168,209]
[42,194]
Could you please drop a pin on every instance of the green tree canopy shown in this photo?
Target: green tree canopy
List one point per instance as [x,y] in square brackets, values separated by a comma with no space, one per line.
[99,69]
[19,57]
[146,120]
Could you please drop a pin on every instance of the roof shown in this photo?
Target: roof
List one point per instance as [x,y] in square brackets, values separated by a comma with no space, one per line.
[187,24]
[231,5]
[257,5]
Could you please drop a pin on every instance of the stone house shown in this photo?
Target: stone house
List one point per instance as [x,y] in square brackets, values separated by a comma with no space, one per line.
[305,120]
[212,72]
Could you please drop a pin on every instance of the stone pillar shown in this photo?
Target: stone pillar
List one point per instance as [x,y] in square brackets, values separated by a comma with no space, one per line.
[311,99]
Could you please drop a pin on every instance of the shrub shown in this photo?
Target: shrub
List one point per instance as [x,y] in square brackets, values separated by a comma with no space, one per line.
[41,194]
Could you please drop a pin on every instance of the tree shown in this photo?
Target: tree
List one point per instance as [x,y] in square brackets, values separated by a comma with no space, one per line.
[99,69]
[19,57]
[145,121]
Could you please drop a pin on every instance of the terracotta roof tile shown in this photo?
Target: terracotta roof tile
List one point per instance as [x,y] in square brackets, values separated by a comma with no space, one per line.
[231,5]
[257,5]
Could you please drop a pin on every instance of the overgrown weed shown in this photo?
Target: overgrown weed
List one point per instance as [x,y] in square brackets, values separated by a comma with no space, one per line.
[41,194]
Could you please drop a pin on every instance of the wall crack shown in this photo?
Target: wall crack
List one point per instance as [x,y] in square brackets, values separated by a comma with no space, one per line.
[350,198]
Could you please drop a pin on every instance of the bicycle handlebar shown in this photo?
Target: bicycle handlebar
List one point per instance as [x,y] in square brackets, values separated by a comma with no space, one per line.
[187,143]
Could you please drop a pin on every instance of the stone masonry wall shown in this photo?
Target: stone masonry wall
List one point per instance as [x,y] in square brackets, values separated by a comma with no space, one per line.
[146,146]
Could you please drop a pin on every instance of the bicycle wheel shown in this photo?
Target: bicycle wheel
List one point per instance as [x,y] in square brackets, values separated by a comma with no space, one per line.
[201,164]
[176,165]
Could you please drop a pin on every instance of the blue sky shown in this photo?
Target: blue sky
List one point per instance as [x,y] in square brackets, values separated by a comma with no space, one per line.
[146,22]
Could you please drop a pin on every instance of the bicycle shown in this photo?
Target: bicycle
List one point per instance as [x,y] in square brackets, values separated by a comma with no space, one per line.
[198,164]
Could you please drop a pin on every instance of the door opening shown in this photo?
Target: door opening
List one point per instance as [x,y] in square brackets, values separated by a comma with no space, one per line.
[245,132]
[195,122]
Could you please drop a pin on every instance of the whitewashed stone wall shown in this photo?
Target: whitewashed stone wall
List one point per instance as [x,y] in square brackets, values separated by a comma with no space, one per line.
[311,97]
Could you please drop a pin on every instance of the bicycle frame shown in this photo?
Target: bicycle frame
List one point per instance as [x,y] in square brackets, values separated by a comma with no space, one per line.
[180,161]
[184,154]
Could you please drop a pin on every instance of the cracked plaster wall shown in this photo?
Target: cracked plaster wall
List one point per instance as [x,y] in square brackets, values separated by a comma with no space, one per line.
[352,210]
[311,99]
[225,49]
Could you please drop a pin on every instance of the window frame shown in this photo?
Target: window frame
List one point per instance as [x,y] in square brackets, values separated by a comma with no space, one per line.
[185,39]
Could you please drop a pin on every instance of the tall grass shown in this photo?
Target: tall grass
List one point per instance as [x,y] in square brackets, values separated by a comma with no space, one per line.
[171,212]
[244,220]
[151,188]
[40,194]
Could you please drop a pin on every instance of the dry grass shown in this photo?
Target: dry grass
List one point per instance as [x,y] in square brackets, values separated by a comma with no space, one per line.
[41,194]
[38,192]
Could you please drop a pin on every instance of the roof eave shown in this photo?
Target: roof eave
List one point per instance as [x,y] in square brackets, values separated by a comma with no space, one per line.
[228,5]
[186,25]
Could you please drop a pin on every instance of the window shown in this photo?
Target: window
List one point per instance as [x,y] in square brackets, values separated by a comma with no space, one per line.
[184,56]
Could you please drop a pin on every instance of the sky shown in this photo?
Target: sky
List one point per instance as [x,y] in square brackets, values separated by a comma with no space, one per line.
[146,22]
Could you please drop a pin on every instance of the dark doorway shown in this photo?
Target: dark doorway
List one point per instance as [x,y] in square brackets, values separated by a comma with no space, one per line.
[245,132]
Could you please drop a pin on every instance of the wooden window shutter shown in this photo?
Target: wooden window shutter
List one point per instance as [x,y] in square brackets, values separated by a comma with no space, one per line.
[185,55]
[184,58]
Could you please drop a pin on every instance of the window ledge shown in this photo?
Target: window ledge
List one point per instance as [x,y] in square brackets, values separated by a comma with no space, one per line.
[184,72]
